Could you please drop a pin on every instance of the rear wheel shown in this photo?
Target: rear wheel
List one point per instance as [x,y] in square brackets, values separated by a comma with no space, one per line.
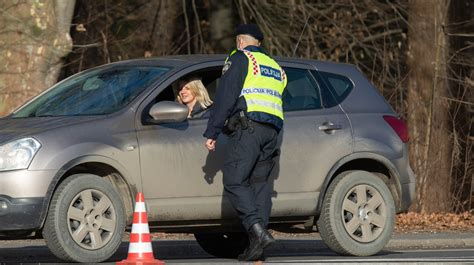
[223,245]
[86,220]
[358,214]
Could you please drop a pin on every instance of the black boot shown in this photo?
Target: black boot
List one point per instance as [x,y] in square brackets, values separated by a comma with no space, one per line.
[261,233]
[259,239]
[253,252]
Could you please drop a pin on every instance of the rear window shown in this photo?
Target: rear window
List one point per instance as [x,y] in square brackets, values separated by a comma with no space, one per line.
[334,87]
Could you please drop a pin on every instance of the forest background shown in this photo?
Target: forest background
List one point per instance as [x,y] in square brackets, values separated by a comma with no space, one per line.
[419,53]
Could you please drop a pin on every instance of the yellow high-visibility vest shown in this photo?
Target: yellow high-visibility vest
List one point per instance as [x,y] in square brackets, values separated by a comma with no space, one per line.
[263,87]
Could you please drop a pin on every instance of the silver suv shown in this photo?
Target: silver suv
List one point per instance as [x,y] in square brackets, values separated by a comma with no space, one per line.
[73,158]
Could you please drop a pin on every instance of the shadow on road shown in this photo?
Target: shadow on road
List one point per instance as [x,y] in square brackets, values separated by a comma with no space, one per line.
[36,251]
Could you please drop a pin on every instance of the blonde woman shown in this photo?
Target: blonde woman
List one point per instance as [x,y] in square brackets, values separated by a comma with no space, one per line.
[193,94]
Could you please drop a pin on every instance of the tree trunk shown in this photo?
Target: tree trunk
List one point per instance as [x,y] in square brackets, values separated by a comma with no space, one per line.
[34,37]
[428,111]
[222,30]
[163,32]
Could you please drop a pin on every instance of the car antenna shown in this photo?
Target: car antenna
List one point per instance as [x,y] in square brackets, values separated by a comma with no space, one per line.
[301,35]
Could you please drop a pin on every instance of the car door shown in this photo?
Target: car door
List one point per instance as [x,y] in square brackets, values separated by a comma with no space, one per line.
[181,179]
[314,138]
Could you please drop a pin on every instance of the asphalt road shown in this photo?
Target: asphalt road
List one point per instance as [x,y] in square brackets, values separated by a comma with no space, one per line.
[299,250]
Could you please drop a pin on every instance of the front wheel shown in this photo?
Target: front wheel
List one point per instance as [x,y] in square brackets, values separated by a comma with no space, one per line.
[223,245]
[357,215]
[85,221]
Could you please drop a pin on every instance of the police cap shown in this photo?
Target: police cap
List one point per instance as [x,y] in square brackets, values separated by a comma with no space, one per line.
[250,29]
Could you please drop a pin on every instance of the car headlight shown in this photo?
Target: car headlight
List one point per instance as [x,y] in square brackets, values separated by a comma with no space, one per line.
[18,154]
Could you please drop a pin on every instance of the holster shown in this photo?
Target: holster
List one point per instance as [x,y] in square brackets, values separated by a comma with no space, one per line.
[231,125]
[234,123]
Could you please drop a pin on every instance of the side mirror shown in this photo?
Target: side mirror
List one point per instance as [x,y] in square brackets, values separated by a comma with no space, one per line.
[168,112]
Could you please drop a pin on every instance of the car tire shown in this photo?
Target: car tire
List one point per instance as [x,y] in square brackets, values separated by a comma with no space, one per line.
[85,221]
[223,245]
[358,214]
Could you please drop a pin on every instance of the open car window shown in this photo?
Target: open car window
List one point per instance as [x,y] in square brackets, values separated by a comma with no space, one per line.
[209,77]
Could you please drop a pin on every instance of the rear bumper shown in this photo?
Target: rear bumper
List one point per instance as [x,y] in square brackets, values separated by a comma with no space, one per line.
[408,191]
[406,179]
[20,213]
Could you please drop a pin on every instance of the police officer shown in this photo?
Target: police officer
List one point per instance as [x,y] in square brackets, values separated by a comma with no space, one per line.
[248,105]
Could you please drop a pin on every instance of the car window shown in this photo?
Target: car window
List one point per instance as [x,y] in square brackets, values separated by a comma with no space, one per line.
[96,92]
[302,92]
[210,79]
[334,87]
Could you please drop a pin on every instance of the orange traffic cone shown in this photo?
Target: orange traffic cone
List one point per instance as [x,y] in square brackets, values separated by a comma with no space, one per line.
[140,250]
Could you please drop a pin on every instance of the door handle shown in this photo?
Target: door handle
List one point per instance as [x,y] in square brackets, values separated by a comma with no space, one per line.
[329,127]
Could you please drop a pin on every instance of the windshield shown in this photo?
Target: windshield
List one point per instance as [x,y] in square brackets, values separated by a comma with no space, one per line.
[96,92]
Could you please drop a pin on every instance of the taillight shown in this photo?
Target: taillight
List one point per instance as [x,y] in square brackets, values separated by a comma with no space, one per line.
[399,126]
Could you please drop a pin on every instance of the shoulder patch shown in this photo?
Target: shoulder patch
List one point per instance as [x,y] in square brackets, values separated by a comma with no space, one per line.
[226,67]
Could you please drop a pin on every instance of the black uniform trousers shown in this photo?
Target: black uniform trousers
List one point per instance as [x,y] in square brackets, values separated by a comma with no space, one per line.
[248,164]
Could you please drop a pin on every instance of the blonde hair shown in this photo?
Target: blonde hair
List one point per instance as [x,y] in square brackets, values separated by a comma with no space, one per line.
[199,90]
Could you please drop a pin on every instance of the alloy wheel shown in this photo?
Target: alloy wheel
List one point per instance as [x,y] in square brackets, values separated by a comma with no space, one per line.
[91,219]
[364,213]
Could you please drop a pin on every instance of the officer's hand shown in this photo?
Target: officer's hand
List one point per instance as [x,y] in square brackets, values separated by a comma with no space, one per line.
[211,144]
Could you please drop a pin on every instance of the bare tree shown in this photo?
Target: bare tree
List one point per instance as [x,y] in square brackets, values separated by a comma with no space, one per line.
[108,31]
[428,110]
[34,37]
[460,64]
